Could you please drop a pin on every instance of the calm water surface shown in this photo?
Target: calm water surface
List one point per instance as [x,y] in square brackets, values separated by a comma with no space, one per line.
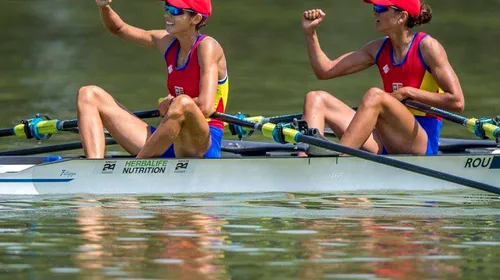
[252,236]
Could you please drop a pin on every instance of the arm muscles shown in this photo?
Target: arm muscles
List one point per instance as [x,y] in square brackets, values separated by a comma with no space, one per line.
[149,39]
[209,54]
[349,63]
[435,57]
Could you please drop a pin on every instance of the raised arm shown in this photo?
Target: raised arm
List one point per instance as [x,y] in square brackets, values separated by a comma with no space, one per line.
[322,65]
[153,39]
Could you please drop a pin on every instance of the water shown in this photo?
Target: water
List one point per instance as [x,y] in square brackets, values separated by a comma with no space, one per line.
[51,48]
[252,236]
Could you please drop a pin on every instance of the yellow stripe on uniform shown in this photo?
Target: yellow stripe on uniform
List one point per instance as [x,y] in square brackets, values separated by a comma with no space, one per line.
[428,84]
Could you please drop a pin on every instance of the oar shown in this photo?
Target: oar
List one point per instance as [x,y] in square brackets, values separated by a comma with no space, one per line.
[290,135]
[474,125]
[241,132]
[491,130]
[51,148]
[41,127]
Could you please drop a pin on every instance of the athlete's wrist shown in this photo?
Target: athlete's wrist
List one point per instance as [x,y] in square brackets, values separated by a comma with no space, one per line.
[310,33]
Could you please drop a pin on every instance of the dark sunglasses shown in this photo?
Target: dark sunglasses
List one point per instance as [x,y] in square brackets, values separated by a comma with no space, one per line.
[176,11]
[382,9]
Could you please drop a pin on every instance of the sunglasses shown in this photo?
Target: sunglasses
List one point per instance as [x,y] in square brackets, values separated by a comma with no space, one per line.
[176,11]
[382,9]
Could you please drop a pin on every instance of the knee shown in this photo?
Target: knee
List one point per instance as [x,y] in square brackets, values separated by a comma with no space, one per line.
[181,106]
[315,98]
[88,95]
[374,97]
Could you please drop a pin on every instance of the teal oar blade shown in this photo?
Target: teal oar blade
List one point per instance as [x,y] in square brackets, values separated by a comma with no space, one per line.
[491,131]
[294,136]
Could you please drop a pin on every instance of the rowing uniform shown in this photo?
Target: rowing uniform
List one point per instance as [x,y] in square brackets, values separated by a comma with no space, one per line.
[186,80]
[411,72]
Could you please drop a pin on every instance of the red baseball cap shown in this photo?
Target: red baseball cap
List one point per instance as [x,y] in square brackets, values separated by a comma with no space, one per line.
[203,7]
[411,6]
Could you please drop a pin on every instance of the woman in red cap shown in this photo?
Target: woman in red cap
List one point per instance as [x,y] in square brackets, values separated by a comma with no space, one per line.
[196,80]
[412,65]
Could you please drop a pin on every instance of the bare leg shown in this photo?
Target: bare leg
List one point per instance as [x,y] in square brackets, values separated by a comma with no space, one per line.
[97,109]
[184,126]
[321,107]
[397,127]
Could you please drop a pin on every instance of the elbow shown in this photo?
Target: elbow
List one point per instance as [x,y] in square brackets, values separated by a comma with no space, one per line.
[460,103]
[460,107]
[321,75]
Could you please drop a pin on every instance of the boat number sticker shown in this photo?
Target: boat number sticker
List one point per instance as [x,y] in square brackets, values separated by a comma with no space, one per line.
[183,166]
[108,167]
[483,162]
[145,167]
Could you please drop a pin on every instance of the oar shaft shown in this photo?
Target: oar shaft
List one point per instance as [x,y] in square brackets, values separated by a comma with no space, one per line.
[283,118]
[490,130]
[436,111]
[50,149]
[6,132]
[146,114]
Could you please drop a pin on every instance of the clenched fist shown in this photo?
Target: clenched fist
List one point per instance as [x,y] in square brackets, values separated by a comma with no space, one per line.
[311,19]
[103,3]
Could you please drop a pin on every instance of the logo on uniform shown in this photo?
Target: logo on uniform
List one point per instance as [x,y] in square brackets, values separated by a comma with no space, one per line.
[396,86]
[170,69]
[386,69]
[178,90]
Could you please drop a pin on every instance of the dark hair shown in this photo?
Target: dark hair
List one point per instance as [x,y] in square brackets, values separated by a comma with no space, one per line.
[200,24]
[424,17]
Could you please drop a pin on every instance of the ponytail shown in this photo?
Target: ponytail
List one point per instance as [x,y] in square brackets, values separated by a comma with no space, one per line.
[424,17]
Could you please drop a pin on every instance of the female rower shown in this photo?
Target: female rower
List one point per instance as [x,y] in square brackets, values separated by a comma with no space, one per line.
[196,80]
[412,66]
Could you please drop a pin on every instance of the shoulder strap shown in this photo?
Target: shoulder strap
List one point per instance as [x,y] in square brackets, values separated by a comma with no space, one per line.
[174,42]
[384,44]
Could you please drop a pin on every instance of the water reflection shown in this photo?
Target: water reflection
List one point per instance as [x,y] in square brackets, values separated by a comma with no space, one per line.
[214,237]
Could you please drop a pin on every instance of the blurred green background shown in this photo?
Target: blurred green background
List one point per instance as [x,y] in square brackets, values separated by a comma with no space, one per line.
[51,48]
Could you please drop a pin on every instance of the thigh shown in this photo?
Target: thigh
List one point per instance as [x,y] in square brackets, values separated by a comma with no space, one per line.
[338,116]
[399,130]
[129,131]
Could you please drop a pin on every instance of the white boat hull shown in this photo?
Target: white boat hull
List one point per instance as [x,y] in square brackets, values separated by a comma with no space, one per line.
[244,174]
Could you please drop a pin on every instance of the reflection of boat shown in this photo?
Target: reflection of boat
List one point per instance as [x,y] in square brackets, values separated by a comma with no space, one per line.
[246,167]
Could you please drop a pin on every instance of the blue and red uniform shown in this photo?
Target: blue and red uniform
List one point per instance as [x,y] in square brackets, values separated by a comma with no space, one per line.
[186,80]
[411,72]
